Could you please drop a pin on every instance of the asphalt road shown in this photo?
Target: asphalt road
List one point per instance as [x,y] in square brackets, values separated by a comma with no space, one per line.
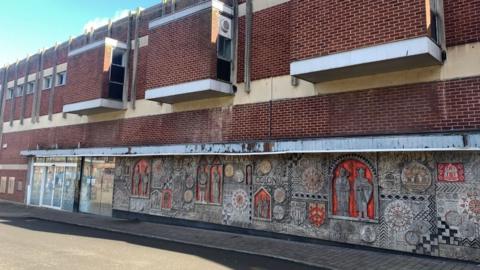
[27,243]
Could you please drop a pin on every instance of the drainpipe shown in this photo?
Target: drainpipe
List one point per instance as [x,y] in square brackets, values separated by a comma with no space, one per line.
[12,105]
[39,87]
[24,94]
[109,28]
[2,100]
[248,43]
[51,97]
[69,46]
[133,96]
[126,78]
[233,67]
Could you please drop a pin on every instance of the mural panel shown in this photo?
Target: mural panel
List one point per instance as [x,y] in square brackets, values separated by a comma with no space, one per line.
[425,203]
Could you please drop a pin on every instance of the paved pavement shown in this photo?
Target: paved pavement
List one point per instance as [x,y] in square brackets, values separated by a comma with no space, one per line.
[325,256]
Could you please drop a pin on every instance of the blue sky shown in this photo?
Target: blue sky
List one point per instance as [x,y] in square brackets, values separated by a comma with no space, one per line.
[29,25]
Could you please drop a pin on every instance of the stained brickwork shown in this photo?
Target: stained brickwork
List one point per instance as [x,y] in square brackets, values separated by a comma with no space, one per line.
[427,107]
[462,21]
[270,43]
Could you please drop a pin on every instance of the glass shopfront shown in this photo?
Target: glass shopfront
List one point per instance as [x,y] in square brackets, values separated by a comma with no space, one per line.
[96,191]
[53,182]
[73,184]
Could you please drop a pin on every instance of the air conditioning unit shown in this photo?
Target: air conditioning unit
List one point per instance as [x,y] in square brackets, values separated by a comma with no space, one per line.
[225,27]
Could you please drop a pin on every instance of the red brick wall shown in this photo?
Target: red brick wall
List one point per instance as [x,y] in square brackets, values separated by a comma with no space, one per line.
[462,21]
[28,106]
[321,27]
[58,98]
[143,54]
[427,107]
[87,75]
[20,176]
[181,51]
[44,102]
[270,43]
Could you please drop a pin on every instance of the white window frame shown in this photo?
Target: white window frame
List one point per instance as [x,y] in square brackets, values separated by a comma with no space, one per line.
[48,85]
[32,84]
[19,90]
[57,76]
[10,93]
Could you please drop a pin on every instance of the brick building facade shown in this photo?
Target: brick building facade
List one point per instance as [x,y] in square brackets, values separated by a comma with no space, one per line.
[354,122]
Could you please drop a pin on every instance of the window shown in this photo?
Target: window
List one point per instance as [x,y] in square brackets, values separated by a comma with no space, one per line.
[30,87]
[61,78]
[10,93]
[436,24]
[224,49]
[19,92]
[47,82]
[118,56]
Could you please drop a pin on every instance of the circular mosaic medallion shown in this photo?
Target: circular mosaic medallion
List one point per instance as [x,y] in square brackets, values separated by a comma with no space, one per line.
[188,196]
[229,170]
[368,234]
[239,176]
[278,212]
[470,206]
[265,166]
[189,182]
[312,180]
[416,177]
[240,199]
[412,238]
[157,168]
[279,195]
[398,215]
[453,218]
[421,226]
[467,229]
[474,206]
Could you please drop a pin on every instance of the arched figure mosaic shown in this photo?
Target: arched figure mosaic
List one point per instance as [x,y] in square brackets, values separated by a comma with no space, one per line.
[262,205]
[141,179]
[167,199]
[353,190]
[209,187]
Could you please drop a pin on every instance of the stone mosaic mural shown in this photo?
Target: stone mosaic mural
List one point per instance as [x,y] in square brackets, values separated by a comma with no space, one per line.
[425,203]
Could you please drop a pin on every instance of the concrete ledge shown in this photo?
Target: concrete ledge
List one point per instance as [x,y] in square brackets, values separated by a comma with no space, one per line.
[94,106]
[195,90]
[106,41]
[393,56]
